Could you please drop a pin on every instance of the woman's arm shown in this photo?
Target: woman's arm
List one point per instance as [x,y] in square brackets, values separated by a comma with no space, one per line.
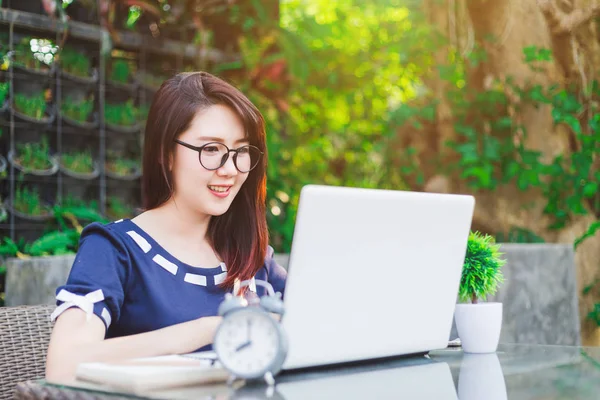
[75,340]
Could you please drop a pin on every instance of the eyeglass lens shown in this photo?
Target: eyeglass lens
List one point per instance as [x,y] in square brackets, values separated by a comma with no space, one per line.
[215,155]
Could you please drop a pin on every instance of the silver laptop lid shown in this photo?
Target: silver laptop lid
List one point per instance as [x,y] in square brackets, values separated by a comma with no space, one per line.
[373,273]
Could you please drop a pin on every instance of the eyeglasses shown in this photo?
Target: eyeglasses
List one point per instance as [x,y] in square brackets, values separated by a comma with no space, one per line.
[214,155]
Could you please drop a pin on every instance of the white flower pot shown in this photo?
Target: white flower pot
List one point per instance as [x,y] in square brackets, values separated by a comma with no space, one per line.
[481,377]
[479,326]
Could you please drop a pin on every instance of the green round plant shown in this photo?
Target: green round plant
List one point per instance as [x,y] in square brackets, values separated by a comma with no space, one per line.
[481,272]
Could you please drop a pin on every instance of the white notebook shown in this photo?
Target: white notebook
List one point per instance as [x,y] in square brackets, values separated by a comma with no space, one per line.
[141,375]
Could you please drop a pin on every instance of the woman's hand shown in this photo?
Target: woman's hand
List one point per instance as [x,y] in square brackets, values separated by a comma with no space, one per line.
[75,340]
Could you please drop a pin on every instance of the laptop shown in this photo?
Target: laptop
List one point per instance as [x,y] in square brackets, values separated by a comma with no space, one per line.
[372,273]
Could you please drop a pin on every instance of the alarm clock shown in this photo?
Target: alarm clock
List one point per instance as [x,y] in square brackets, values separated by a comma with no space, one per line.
[250,343]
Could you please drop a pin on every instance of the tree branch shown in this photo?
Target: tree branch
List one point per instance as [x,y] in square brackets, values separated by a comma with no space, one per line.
[561,23]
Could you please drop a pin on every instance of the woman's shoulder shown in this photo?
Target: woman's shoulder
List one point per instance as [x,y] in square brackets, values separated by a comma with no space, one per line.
[112,233]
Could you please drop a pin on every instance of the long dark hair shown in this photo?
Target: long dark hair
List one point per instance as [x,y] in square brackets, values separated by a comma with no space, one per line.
[239,236]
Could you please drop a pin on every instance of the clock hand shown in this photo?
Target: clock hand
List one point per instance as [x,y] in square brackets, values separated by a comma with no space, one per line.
[243,346]
[249,329]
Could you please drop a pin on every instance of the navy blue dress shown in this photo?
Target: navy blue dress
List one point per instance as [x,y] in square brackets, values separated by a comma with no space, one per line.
[134,285]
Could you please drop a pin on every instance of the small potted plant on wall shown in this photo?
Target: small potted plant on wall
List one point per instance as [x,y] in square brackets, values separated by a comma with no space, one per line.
[33,108]
[76,67]
[78,170]
[122,168]
[79,113]
[478,322]
[32,214]
[122,117]
[34,158]
[121,76]
[33,58]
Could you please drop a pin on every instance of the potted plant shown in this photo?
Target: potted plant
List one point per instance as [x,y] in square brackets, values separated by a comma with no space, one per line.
[122,118]
[76,67]
[479,323]
[122,168]
[120,77]
[34,158]
[78,170]
[32,109]
[33,65]
[77,113]
[34,56]
[31,213]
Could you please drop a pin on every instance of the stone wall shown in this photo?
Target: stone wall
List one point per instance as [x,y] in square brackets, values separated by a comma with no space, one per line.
[34,280]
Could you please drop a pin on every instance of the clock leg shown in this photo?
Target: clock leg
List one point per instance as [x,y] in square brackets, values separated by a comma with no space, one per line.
[231,379]
[270,391]
[269,378]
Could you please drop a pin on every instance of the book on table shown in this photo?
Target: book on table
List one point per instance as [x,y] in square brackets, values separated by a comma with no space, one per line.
[152,374]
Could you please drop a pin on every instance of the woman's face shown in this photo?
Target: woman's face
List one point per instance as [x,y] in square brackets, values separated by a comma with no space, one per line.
[199,189]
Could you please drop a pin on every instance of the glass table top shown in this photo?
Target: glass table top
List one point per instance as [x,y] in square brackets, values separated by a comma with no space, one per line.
[513,372]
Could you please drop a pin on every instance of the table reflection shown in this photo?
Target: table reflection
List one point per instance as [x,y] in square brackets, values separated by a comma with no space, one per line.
[481,377]
[432,380]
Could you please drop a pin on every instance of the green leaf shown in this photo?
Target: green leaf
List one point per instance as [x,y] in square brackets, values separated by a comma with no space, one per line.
[592,229]
[590,189]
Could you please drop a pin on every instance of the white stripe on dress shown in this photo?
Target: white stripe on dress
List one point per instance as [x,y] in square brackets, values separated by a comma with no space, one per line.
[194,279]
[106,316]
[166,264]
[143,243]
[220,278]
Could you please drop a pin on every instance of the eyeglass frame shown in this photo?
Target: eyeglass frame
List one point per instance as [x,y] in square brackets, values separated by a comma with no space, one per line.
[225,157]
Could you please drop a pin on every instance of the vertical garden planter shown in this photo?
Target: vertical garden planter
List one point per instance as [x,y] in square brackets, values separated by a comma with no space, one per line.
[30,81]
[30,227]
[36,193]
[123,184]
[46,119]
[46,176]
[80,185]
[29,104]
[55,79]
[63,79]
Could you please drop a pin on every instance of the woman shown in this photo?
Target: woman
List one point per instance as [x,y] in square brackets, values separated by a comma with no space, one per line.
[152,285]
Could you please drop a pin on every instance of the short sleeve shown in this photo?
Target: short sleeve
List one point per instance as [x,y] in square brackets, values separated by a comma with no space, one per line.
[276,274]
[98,276]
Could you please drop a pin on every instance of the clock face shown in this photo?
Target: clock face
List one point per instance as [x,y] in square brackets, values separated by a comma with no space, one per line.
[248,343]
